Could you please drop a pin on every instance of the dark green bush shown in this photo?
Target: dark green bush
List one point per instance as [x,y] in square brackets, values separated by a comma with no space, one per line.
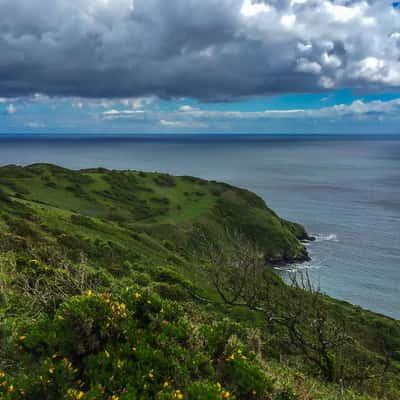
[245,377]
[172,292]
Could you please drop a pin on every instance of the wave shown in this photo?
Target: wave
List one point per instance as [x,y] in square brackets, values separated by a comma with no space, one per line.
[299,267]
[330,237]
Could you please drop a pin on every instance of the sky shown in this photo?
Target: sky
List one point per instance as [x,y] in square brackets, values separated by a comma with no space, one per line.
[199,66]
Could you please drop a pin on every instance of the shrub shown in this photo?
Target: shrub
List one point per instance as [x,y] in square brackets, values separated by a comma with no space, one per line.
[206,391]
[165,180]
[171,291]
[245,376]
[4,197]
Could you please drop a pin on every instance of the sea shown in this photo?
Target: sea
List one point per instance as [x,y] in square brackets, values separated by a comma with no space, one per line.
[344,189]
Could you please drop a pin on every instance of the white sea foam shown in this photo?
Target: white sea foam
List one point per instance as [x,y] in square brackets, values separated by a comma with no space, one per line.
[330,237]
[299,267]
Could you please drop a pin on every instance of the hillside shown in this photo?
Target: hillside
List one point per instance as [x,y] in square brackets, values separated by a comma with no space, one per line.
[105,293]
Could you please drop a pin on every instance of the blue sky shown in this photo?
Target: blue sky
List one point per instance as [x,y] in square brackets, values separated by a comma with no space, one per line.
[226,66]
[42,115]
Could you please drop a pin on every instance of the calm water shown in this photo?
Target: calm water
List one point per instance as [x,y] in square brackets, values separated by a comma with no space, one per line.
[346,191]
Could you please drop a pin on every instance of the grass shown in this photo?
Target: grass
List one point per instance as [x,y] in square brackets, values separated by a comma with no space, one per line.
[117,229]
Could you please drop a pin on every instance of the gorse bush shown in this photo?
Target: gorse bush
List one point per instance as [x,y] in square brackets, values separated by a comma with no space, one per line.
[128,345]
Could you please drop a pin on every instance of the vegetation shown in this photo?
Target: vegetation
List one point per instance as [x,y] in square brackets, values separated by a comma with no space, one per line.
[132,285]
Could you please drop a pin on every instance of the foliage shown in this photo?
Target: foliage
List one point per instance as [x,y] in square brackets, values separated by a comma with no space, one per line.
[108,290]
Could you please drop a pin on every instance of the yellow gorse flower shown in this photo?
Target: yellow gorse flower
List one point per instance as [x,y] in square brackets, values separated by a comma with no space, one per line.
[138,295]
[79,395]
[177,394]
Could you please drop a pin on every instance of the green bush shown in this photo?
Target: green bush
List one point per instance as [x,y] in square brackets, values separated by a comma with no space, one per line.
[171,291]
[246,378]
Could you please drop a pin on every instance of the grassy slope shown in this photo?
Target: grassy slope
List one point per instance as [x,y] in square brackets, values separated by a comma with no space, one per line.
[137,209]
[124,220]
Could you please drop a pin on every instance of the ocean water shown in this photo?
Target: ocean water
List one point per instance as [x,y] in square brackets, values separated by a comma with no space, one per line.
[345,190]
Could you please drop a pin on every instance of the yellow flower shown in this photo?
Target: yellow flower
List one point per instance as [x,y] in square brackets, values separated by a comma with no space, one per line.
[2,374]
[138,295]
[120,364]
[134,349]
[178,394]
[243,357]
[219,386]
[79,395]
[226,395]
[254,392]
[51,370]
[107,353]
[11,388]
[151,374]
[148,301]
[89,293]
[22,338]
[231,357]
[122,306]
[114,397]
[166,384]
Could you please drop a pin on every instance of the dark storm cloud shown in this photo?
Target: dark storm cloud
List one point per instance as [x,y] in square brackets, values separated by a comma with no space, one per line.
[208,49]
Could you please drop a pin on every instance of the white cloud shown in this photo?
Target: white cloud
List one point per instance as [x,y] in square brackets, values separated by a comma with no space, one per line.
[304,47]
[187,108]
[312,67]
[78,104]
[378,70]
[326,82]
[252,8]
[11,109]
[332,61]
[35,125]
[127,114]
[197,118]
[343,13]
[288,21]
[182,124]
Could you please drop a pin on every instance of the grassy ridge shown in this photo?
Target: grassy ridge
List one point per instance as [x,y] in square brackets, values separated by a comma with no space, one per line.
[138,210]
[114,258]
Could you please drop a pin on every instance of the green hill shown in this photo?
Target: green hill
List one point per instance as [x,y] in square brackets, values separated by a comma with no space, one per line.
[106,293]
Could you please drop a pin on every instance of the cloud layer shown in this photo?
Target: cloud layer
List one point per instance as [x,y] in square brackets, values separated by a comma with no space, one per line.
[187,116]
[209,49]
